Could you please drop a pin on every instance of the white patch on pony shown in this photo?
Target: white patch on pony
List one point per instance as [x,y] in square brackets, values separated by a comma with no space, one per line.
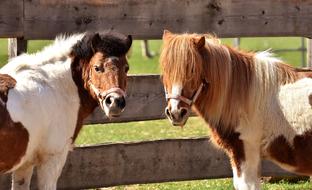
[266,80]
[46,101]
[282,110]
[285,110]
[47,106]
[58,51]
[175,91]
[294,101]
[245,182]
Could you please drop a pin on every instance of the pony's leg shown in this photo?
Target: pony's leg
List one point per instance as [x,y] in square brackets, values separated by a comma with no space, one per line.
[50,170]
[21,178]
[246,175]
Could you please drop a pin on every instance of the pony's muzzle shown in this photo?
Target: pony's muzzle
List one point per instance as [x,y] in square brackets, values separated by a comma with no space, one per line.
[178,117]
[118,102]
[114,104]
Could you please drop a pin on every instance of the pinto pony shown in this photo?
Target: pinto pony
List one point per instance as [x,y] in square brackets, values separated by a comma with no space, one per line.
[45,96]
[255,105]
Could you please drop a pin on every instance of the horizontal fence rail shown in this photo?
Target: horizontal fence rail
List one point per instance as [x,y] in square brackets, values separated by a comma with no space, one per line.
[146,19]
[145,162]
[145,101]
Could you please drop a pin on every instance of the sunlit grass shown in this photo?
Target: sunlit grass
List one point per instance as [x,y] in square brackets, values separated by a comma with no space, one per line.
[141,131]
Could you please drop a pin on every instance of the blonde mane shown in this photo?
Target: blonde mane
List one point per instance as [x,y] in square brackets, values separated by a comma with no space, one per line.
[236,79]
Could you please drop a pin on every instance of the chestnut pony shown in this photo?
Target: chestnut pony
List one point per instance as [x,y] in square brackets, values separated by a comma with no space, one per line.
[45,96]
[255,105]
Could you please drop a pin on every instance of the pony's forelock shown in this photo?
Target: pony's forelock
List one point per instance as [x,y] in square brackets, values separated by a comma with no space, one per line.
[180,60]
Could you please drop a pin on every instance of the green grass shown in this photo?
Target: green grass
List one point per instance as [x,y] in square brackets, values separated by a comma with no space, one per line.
[140,131]
[161,129]
[213,184]
[219,184]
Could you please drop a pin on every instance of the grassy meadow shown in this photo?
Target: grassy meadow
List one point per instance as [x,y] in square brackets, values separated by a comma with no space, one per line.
[161,129]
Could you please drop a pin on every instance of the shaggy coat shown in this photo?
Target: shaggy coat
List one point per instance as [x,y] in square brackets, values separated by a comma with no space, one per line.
[256,106]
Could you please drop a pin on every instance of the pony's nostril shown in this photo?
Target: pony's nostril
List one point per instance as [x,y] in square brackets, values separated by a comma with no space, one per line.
[183,112]
[121,102]
[167,112]
[108,100]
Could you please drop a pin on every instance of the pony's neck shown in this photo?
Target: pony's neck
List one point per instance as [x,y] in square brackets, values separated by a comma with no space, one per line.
[230,78]
[87,103]
[243,83]
[80,76]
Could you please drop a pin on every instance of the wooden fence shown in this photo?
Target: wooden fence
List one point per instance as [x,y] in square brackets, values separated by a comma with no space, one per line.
[154,161]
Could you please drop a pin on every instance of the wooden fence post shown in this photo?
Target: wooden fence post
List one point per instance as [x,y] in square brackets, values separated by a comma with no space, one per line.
[16,46]
[309,53]
[145,49]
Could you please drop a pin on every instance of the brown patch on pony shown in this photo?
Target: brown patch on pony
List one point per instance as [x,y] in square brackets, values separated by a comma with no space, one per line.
[13,136]
[294,155]
[230,142]
[6,83]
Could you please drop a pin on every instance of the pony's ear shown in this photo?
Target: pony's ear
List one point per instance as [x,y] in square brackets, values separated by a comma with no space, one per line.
[128,42]
[96,39]
[166,34]
[200,42]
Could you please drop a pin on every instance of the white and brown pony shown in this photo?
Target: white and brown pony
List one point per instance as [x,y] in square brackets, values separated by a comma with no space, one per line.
[45,96]
[255,105]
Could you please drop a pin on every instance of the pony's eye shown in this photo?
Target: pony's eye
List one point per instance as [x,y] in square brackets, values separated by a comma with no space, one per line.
[98,69]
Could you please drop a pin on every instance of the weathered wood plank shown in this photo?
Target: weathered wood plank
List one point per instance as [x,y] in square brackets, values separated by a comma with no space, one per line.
[147,18]
[11,18]
[16,46]
[146,162]
[309,53]
[145,101]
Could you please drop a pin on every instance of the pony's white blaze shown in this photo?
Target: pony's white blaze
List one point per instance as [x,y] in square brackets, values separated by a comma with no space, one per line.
[175,91]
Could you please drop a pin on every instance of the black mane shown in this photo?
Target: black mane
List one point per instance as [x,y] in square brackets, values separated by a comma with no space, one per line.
[109,43]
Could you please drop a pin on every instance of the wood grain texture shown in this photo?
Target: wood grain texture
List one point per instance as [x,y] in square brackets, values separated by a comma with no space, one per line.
[11,18]
[309,53]
[16,46]
[147,18]
[145,101]
[146,162]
